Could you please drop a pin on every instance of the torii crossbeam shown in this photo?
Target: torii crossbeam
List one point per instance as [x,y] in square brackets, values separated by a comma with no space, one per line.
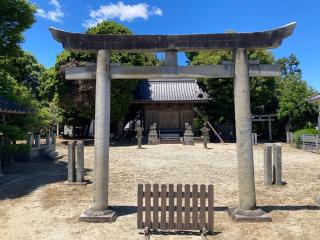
[240,70]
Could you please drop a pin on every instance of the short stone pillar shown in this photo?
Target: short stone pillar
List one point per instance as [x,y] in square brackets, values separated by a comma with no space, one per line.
[289,137]
[277,164]
[37,140]
[205,135]
[188,135]
[48,137]
[0,168]
[80,161]
[139,130]
[71,161]
[153,135]
[268,164]
[30,138]
[254,138]
[318,200]
[53,141]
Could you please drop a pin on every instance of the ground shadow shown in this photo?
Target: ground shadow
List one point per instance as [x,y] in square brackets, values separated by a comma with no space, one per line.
[269,209]
[22,178]
[180,233]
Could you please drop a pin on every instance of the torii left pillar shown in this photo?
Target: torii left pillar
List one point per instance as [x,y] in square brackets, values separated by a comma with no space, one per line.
[100,211]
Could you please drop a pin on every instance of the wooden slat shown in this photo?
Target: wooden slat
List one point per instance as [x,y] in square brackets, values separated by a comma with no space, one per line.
[163,223]
[195,207]
[179,207]
[210,208]
[186,224]
[171,206]
[155,222]
[140,207]
[147,197]
[202,206]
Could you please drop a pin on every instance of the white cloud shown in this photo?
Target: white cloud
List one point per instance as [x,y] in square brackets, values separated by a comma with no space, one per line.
[54,15]
[124,12]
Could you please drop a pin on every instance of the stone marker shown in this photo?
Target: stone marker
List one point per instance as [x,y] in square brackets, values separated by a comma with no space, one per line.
[80,161]
[37,140]
[318,200]
[277,164]
[153,135]
[254,138]
[53,141]
[48,136]
[205,135]
[71,161]
[289,137]
[268,164]
[139,129]
[30,138]
[188,135]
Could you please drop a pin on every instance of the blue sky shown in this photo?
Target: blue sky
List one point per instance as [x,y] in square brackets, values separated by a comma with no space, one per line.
[182,17]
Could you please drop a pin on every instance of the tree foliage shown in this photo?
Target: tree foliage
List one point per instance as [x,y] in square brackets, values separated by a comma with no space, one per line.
[16,17]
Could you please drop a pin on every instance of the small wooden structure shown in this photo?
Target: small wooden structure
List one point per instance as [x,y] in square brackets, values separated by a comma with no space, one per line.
[169,209]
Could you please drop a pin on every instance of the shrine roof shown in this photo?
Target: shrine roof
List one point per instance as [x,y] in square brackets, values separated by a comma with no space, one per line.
[8,106]
[170,90]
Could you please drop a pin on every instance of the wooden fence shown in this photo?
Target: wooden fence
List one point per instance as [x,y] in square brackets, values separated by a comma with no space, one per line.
[170,209]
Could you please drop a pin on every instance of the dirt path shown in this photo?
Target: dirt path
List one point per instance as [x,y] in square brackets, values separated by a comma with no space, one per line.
[45,208]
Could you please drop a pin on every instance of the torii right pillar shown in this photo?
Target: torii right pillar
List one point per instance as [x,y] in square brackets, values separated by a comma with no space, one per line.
[247,210]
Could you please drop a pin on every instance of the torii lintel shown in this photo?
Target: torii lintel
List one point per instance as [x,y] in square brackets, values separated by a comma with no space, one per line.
[184,43]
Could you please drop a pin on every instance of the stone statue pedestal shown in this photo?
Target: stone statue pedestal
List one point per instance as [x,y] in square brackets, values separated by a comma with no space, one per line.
[188,138]
[153,138]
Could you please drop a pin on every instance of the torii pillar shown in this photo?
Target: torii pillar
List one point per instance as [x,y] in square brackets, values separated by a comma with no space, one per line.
[247,194]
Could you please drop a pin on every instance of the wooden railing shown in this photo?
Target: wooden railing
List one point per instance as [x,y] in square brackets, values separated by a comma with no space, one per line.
[164,208]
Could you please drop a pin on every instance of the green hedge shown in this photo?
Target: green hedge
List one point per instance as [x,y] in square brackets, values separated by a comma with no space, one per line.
[298,134]
[15,148]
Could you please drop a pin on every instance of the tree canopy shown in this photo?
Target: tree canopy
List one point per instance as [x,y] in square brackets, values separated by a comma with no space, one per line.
[16,17]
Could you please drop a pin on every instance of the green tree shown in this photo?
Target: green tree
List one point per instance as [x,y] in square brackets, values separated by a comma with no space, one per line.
[16,17]
[25,69]
[293,93]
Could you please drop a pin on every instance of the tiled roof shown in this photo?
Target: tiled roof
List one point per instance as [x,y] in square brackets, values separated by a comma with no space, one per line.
[170,90]
[315,98]
[10,107]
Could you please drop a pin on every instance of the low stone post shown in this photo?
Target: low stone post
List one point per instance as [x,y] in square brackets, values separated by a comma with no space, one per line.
[289,137]
[48,136]
[188,135]
[30,138]
[153,135]
[205,135]
[277,164]
[80,161]
[139,129]
[0,167]
[254,138]
[71,161]
[37,140]
[53,141]
[268,164]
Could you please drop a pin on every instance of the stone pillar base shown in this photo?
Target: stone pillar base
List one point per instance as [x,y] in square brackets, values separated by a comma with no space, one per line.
[242,215]
[76,183]
[98,216]
[318,200]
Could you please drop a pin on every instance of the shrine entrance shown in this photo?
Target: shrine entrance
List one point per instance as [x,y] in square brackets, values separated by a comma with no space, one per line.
[240,71]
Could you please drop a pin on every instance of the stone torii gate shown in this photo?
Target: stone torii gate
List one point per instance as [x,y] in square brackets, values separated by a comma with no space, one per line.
[240,71]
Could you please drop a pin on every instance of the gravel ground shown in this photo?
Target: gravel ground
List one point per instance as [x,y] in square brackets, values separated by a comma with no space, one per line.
[43,207]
